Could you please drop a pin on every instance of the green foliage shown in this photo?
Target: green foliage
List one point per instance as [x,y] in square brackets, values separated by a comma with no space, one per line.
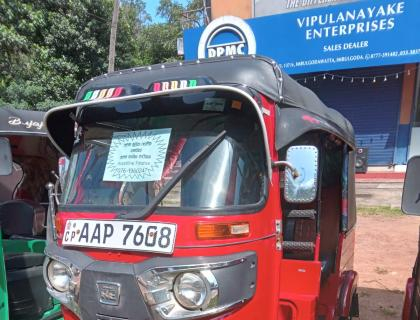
[48,48]
[158,41]
[132,19]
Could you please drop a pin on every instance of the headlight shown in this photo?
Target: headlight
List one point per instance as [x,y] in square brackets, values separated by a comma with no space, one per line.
[58,275]
[190,291]
[180,294]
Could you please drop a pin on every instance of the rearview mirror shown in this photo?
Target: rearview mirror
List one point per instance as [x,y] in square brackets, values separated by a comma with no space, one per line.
[411,191]
[301,184]
[63,166]
[6,162]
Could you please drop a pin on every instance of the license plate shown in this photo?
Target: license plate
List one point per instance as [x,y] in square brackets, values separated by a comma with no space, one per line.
[123,235]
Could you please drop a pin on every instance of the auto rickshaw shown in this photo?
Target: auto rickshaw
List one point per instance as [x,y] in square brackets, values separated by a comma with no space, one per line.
[27,157]
[210,189]
[411,205]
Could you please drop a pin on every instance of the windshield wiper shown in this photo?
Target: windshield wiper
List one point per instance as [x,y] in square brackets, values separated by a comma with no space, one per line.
[190,164]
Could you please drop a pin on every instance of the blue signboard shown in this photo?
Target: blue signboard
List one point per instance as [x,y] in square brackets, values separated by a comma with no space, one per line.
[352,35]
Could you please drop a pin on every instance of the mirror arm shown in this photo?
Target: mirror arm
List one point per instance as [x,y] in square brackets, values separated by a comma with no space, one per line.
[276,164]
[56,184]
[51,208]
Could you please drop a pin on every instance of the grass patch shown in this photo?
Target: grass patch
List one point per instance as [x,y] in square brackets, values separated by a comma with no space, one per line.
[379,211]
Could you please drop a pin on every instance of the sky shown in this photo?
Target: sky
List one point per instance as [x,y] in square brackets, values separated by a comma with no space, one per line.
[152,5]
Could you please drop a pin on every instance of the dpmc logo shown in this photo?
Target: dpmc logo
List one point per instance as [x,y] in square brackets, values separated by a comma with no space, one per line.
[226,36]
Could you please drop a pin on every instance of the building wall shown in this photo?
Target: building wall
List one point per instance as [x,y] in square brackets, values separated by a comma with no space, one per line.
[373,108]
[249,8]
[238,8]
[414,149]
[406,107]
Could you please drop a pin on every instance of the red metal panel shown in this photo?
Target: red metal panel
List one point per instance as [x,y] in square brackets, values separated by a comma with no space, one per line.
[300,277]
[346,250]
[299,286]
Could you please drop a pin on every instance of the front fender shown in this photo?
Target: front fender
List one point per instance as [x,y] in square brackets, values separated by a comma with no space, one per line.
[408,298]
[349,281]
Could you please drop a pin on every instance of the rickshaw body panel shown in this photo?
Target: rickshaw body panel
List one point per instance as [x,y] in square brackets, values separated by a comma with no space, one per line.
[261,241]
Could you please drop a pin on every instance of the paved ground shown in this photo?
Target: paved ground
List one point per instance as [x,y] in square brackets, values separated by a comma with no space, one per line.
[386,248]
[383,192]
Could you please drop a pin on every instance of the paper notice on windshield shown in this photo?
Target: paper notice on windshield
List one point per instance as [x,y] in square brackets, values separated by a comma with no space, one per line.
[137,156]
[214,104]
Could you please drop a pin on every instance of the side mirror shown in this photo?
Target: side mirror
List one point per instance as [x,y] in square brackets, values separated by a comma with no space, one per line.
[301,184]
[6,162]
[63,166]
[411,191]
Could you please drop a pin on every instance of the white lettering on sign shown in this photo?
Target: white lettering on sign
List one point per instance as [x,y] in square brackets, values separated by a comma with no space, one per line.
[245,43]
[272,7]
[137,156]
[16,121]
[306,3]
[229,50]
[348,22]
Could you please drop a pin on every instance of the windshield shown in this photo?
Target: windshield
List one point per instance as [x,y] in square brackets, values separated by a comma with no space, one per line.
[125,159]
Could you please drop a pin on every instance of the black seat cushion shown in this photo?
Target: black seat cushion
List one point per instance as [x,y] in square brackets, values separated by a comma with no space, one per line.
[17,217]
[23,260]
[28,296]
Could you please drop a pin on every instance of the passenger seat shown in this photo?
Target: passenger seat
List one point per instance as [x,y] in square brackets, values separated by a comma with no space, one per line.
[28,297]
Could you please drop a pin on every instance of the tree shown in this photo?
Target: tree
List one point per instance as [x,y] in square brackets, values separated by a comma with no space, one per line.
[48,48]
[158,41]
[133,20]
[58,44]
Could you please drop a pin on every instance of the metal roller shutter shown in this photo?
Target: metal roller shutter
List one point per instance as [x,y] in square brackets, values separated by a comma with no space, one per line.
[372,107]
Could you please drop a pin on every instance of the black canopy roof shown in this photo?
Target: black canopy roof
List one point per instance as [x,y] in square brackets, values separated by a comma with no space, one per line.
[21,122]
[300,110]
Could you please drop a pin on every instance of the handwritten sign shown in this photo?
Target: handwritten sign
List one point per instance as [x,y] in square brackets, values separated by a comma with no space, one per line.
[137,156]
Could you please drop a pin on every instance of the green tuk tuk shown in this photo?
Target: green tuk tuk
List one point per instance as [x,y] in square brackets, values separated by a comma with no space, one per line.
[26,161]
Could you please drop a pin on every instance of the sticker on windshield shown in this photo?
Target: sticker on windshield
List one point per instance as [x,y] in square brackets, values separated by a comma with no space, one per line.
[137,156]
[214,104]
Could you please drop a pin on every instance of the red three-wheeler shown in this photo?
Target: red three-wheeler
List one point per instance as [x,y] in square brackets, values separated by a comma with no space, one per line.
[211,189]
